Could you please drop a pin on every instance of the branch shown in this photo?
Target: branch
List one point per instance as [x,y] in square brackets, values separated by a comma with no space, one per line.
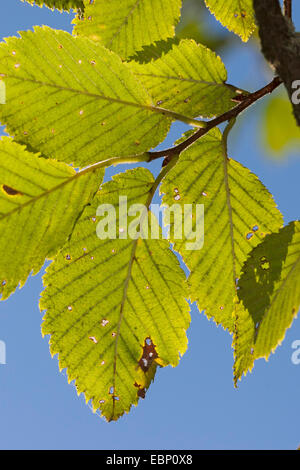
[247,100]
[287,4]
[280,43]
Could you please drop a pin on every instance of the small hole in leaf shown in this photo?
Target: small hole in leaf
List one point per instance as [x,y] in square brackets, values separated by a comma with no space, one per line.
[249,235]
[70,308]
[145,362]
[104,322]
[93,339]
[264,263]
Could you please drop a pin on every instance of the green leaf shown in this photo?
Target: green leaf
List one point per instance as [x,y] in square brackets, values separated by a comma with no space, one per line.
[59,4]
[40,201]
[75,101]
[279,130]
[188,79]
[112,298]
[269,295]
[125,27]
[238,212]
[236,15]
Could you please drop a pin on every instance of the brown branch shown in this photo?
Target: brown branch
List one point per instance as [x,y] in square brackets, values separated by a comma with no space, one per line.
[287,5]
[280,43]
[247,100]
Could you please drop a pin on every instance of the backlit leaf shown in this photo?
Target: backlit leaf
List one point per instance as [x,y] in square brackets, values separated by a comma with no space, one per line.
[269,295]
[236,15]
[40,201]
[111,299]
[188,79]
[126,26]
[75,101]
[238,212]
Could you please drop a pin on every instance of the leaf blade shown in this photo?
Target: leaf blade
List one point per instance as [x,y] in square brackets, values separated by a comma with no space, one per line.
[272,271]
[189,79]
[58,4]
[40,201]
[125,28]
[125,292]
[238,211]
[237,16]
[75,101]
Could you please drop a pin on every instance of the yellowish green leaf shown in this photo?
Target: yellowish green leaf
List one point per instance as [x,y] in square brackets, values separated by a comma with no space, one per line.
[116,309]
[238,212]
[189,79]
[75,101]
[236,15]
[126,26]
[269,295]
[279,129]
[40,201]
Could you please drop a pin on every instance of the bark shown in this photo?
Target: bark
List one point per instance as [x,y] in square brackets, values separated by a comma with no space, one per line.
[280,44]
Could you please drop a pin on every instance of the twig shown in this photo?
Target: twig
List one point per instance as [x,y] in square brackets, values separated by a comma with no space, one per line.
[248,100]
[287,4]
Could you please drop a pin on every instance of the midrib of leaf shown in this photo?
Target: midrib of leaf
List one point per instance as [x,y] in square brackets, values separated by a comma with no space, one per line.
[229,207]
[183,79]
[167,112]
[152,191]
[72,178]
[124,22]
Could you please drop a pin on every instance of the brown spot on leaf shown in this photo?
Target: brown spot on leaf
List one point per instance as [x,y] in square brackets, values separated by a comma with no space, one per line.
[141,391]
[10,191]
[149,354]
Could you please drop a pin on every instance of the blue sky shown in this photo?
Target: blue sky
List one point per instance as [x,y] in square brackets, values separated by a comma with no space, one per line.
[193,406]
